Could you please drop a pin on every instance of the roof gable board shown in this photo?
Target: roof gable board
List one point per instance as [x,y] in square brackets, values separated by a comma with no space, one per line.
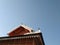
[20,30]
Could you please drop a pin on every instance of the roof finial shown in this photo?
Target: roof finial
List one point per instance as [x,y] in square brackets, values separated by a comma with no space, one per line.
[38,28]
[21,23]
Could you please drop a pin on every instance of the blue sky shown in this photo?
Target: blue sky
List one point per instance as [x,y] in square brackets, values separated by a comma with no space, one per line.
[34,13]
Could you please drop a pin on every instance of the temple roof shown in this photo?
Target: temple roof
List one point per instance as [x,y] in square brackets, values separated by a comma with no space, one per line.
[37,36]
[24,32]
[20,30]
